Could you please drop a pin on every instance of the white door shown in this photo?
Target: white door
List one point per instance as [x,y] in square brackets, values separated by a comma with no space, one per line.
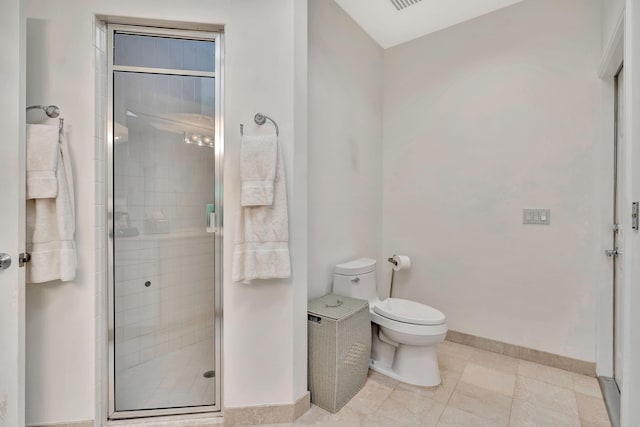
[619,232]
[12,308]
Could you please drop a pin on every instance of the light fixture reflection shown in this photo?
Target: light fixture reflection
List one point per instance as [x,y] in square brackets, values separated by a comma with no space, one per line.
[199,140]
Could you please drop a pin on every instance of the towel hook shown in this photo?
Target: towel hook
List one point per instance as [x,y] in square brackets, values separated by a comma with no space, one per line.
[52,111]
[261,119]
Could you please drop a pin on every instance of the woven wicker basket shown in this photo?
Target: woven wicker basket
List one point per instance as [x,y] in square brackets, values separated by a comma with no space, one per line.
[339,349]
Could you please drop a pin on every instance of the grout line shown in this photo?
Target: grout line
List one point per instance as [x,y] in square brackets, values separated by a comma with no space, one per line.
[513,398]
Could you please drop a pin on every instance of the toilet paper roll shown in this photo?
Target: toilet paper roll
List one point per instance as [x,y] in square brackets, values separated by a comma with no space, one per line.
[401,262]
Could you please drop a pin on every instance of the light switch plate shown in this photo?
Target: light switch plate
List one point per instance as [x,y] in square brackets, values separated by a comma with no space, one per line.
[536,216]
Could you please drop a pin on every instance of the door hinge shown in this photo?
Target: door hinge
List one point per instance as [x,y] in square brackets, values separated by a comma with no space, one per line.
[634,216]
[24,258]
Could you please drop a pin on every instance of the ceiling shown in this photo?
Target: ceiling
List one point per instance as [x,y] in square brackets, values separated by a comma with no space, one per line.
[389,26]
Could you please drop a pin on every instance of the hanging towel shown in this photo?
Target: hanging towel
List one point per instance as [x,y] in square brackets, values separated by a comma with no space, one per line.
[262,236]
[50,214]
[42,161]
[258,158]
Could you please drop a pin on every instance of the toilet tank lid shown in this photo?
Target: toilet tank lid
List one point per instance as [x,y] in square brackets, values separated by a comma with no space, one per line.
[355,267]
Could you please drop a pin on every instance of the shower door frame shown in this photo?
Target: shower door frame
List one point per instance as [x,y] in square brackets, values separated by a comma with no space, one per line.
[218,38]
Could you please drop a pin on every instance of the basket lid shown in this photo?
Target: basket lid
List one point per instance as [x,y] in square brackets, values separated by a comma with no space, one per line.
[336,307]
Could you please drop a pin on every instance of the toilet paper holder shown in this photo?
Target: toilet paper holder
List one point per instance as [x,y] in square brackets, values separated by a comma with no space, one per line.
[395,263]
[393,273]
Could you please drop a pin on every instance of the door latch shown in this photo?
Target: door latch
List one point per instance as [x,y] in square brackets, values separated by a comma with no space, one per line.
[24,258]
[613,253]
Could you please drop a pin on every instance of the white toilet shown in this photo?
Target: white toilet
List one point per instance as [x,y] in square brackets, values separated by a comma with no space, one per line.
[405,345]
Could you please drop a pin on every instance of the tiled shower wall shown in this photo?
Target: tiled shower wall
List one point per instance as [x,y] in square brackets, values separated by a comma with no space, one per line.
[158,175]
[175,310]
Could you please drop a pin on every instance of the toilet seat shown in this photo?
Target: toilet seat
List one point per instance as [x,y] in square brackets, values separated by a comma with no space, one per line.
[411,312]
[408,328]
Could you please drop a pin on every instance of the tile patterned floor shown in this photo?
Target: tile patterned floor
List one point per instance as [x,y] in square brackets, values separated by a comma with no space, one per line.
[170,380]
[479,389]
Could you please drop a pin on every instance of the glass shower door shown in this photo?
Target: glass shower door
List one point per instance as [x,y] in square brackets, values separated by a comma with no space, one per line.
[163,193]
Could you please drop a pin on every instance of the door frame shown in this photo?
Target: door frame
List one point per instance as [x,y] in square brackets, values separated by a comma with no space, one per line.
[182,30]
[623,46]
[612,60]
[618,218]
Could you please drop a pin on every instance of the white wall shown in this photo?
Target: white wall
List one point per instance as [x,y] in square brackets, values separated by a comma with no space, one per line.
[345,143]
[611,12]
[264,351]
[12,213]
[480,121]
[60,316]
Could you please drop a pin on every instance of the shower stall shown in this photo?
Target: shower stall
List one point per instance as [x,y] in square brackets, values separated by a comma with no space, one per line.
[164,221]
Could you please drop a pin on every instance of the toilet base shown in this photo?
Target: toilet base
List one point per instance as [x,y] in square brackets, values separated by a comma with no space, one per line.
[412,365]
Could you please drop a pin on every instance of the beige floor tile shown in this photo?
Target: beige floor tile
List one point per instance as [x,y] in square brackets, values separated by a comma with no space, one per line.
[451,362]
[452,417]
[592,411]
[545,396]
[347,417]
[478,389]
[314,415]
[390,422]
[594,424]
[392,413]
[440,393]
[586,385]
[369,399]
[381,379]
[426,410]
[550,375]
[498,362]
[527,414]
[489,378]
[453,356]
[318,417]
[459,350]
[484,403]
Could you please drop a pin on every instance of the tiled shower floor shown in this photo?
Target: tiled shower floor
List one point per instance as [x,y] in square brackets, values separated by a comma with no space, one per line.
[479,389]
[171,380]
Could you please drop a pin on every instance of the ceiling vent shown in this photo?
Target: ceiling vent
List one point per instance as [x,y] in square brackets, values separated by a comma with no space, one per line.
[401,4]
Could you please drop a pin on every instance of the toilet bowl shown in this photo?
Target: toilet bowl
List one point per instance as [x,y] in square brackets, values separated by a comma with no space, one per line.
[410,330]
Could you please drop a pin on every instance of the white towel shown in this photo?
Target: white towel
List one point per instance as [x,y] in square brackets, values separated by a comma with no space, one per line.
[258,158]
[262,236]
[42,161]
[50,218]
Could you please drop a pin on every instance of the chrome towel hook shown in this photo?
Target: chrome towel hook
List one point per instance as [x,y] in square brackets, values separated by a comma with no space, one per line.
[261,119]
[51,111]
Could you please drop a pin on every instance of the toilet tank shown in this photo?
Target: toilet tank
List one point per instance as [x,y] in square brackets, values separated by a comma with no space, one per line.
[356,279]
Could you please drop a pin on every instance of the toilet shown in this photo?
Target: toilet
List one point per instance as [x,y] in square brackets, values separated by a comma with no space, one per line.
[408,332]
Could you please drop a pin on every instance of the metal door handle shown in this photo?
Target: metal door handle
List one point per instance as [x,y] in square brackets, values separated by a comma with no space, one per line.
[613,253]
[5,261]
[355,280]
